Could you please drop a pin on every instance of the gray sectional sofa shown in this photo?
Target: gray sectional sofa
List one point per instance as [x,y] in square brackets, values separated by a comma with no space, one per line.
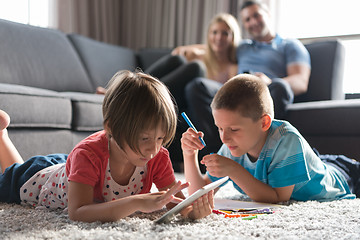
[47,84]
[48,80]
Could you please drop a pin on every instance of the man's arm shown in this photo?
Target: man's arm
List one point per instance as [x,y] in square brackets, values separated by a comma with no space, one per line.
[298,78]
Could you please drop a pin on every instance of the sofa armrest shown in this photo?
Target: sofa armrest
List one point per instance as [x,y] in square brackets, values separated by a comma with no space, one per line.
[335,117]
[329,126]
[327,70]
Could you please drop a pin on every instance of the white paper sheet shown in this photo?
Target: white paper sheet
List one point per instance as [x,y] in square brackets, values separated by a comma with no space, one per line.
[235,204]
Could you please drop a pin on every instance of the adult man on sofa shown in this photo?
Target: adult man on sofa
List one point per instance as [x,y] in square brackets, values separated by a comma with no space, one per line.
[283,64]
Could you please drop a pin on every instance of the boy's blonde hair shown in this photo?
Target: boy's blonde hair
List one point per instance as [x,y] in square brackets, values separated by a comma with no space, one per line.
[246,94]
[136,102]
[233,25]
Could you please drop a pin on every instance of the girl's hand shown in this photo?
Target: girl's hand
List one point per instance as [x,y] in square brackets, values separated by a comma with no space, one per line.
[218,166]
[190,142]
[155,201]
[202,207]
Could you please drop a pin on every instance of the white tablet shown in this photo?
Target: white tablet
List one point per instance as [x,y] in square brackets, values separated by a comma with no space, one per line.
[189,200]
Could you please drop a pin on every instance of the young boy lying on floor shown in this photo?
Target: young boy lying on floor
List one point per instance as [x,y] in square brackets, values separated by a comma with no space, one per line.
[265,158]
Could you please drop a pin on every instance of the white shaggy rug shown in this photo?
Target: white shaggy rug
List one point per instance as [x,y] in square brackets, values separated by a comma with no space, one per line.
[295,220]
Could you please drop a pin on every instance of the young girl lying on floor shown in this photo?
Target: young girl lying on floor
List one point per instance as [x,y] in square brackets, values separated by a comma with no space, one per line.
[108,175]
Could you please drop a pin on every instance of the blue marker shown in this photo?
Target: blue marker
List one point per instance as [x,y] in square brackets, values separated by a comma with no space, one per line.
[192,126]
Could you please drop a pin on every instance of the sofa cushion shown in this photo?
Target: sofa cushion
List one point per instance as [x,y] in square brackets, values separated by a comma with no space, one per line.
[40,57]
[87,111]
[35,107]
[40,141]
[102,60]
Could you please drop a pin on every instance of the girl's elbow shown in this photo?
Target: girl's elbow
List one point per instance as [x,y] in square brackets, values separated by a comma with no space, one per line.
[76,216]
[73,216]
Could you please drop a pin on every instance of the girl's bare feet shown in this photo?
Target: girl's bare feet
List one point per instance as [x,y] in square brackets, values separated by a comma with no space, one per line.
[8,152]
[4,120]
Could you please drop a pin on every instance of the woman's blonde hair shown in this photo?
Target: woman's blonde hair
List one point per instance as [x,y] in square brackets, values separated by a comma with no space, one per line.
[136,102]
[233,25]
[245,94]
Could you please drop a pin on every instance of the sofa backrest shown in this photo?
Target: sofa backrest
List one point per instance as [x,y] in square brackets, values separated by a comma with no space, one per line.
[40,57]
[327,69]
[102,60]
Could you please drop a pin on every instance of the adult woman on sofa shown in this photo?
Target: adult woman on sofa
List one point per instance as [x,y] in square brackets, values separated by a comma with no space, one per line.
[219,54]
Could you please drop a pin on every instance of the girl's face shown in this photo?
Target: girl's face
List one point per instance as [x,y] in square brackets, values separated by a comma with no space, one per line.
[240,134]
[220,37]
[150,143]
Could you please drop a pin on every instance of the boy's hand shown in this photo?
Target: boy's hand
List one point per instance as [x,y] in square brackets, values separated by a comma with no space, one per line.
[218,166]
[202,207]
[190,142]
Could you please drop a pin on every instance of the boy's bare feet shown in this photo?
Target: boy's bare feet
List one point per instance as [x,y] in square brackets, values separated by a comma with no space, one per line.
[4,120]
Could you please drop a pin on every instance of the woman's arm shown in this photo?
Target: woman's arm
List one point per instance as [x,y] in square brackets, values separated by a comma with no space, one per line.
[191,52]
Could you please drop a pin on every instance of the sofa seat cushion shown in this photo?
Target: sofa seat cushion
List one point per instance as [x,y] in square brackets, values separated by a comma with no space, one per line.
[333,118]
[39,141]
[35,107]
[103,60]
[87,111]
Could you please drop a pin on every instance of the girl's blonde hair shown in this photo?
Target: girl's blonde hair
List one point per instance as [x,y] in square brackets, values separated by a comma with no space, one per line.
[136,102]
[233,25]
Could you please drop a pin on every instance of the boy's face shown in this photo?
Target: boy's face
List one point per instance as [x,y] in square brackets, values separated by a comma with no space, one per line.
[240,134]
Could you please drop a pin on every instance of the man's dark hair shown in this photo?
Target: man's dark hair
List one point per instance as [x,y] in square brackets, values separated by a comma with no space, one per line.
[250,3]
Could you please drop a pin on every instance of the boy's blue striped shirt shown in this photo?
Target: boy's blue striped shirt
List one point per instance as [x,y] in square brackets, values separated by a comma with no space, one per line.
[287,159]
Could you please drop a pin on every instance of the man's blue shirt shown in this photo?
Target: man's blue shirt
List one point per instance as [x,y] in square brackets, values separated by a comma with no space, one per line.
[272,58]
